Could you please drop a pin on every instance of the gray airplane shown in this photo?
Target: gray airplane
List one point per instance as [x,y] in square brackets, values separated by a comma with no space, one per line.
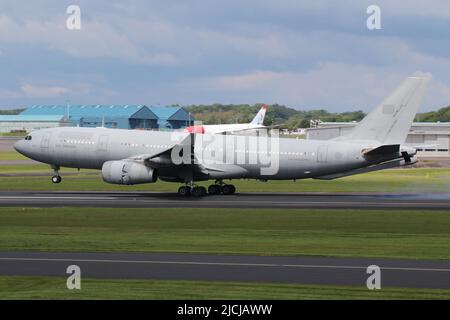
[130,157]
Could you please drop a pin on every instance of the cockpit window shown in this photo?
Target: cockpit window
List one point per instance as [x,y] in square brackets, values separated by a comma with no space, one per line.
[28,138]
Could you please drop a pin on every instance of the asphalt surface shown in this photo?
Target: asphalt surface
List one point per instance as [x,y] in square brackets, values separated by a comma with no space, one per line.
[240,200]
[300,270]
[7,143]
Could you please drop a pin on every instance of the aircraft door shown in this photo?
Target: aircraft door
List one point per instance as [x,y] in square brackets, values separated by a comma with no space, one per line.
[45,140]
[322,153]
[102,143]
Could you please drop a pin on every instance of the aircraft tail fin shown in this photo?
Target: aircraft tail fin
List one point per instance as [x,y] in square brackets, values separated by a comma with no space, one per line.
[259,118]
[390,121]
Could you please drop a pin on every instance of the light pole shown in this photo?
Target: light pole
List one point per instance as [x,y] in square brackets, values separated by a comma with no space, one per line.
[68,110]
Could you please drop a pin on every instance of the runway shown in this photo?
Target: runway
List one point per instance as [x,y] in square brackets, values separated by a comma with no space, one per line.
[300,270]
[439,201]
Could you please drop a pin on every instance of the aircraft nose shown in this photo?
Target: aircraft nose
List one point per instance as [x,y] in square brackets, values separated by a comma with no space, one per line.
[20,146]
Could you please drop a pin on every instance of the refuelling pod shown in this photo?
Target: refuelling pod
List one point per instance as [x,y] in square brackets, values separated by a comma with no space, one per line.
[128,172]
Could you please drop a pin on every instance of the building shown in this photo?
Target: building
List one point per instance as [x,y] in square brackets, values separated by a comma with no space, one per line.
[434,137]
[115,116]
[27,123]
[171,117]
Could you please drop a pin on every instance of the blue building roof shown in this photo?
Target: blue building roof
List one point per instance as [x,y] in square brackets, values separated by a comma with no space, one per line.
[31,118]
[164,113]
[84,110]
[117,116]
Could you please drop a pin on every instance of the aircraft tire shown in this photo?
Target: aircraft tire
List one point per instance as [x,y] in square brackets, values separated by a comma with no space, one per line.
[198,191]
[184,191]
[228,189]
[56,179]
[214,189]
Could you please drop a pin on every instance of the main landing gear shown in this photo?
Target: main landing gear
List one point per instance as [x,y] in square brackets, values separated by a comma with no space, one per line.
[198,191]
[220,188]
[56,177]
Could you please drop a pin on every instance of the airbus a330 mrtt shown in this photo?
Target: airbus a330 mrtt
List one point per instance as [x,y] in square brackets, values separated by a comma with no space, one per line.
[134,156]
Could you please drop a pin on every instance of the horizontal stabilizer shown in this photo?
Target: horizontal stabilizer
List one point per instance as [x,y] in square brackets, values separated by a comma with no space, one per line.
[385,165]
[382,150]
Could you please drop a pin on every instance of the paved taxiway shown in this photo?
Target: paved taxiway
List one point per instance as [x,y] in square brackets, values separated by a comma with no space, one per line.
[304,270]
[240,200]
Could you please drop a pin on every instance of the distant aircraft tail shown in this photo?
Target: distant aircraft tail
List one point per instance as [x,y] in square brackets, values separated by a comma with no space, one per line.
[259,118]
[390,122]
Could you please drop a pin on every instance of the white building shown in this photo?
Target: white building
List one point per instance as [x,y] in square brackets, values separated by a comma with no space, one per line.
[433,136]
[28,123]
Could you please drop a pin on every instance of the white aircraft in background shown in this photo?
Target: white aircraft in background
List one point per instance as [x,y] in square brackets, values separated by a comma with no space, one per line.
[256,123]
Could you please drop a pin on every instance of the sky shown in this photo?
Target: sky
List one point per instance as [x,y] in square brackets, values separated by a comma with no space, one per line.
[303,54]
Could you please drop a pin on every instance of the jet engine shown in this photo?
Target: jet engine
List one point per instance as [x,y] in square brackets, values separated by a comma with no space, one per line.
[128,172]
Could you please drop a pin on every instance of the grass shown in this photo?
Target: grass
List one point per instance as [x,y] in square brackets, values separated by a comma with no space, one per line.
[11,155]
[55,288]
[349,233]
[397,180]
[13,134]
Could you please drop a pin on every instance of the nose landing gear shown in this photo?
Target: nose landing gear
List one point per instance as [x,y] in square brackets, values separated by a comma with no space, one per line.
[56,177]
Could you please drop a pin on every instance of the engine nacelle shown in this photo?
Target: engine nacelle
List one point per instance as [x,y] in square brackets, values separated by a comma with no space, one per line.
[127,172]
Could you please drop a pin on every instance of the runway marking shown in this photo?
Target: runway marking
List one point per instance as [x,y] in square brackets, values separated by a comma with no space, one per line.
[320,203]
[225,202]
[222,264]
[53,198]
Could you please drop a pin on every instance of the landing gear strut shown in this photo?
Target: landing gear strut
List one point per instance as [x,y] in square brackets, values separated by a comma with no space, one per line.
[56,177]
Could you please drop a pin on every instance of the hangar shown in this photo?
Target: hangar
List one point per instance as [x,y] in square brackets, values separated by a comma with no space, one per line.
[114,116]
[27,123]
[433,136]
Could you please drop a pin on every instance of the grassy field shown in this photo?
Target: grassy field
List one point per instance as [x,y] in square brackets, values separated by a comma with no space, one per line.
[11,155]
[13,134]
[397,180]
[350,233]
[346,233]
[55,288]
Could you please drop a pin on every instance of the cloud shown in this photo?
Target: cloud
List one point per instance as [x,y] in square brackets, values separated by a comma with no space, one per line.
[43,91]
[96,39]
[9,94]
[333,86]
[306,54]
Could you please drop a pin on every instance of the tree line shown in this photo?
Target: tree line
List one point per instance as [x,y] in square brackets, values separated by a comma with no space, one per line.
[284,116]
[287,117]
